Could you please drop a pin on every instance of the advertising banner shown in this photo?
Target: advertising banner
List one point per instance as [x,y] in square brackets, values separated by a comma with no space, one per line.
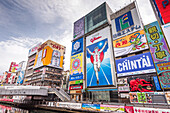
[78,28]
[96,18]
[76,87]
[20,77]
[166,29]
[76,67]
[77,46]
[50,54]
[141,97]
[133,65]
[93,107]
[149,110]
[157,43]
[123,86]
[163,70]
[130,44]
[99,58]
[76,82]
[12,64]
[156,81]
[129,109]
[126,24]
[141,84]
[163,10]
[111,108]
[33,50]
[133,97]
[69,105]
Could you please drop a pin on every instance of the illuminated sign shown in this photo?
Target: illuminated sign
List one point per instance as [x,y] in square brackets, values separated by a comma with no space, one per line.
[79,28]
[163,8]
[133,65]
[125,24]
[77,46]
[33,50]
[130,44]
[157,43]
[75,87]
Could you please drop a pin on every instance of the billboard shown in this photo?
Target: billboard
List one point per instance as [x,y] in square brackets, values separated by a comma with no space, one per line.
[76,67]
[12,64]
[111,108]
[141,84]
[93,107]
[149,110]
[76,87]
[96,18]
[77,46]
[78,28]
[20,77]
[123,85]
[157,43]
[163,70]
[138,64]
[166,29]
[131,43]
[33,50]
[99,57]
[50,54]
[163,9]
[126,23]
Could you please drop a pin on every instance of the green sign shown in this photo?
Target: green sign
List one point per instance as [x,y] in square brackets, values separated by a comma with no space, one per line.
[78,81]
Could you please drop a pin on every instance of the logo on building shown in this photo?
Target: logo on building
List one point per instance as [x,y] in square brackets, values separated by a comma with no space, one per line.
[76,46]
[124,21]
[76,64]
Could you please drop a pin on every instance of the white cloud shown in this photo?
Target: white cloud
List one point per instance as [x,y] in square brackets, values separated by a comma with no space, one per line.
[15,50]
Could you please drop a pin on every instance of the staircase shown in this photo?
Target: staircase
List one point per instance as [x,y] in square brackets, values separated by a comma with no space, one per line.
[60,93]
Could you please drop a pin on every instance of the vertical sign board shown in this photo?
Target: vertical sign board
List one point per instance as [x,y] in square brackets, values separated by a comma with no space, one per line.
[163,9]
[134,65]
[126,24]
[76,63]
[99,58]
[166,29]
[96,18]
[78,28]
[131,43]
[33,50]
[157,43]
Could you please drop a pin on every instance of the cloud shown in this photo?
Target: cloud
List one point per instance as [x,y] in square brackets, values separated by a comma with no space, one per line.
[15,50]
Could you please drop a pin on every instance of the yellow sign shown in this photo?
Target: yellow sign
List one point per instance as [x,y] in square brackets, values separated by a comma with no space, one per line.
[76,65]
[130,43]
[51,54]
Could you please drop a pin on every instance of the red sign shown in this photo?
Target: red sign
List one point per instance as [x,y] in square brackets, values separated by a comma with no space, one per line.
[164,9]
[12,64]
[75,87]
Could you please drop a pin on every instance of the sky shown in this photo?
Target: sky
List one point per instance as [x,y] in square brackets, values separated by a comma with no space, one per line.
[24,23]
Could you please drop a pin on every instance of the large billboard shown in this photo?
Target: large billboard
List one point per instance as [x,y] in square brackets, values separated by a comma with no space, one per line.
[77,46]
[163,70]
[157,43]
[141,84]
[131,43]
[163,10]
[76,67]
[166,29]
[99,60]
[133,65]
[78,28]
[126,23]
[50,54]
[33,50]
[96,18]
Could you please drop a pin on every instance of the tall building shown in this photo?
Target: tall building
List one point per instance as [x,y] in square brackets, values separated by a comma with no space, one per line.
[46,65]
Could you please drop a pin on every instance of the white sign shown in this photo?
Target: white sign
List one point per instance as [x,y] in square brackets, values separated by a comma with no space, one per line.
[69,105]
[149,110]
[166,29]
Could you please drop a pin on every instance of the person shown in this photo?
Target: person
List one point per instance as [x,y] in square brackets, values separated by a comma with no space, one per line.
[96,57]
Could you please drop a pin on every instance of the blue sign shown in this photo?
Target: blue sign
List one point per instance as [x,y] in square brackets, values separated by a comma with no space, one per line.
[156,81]
[138,64]
[77,46]
[91,106]
[124,21]
[78,77]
